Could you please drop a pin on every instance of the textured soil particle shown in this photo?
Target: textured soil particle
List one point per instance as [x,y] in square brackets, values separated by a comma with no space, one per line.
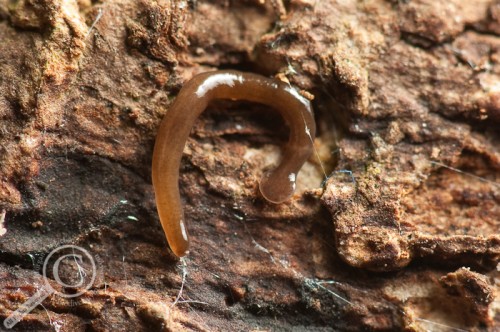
[473,290]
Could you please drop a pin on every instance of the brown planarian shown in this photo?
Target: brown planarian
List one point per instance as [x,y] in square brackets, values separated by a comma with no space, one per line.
[276,186]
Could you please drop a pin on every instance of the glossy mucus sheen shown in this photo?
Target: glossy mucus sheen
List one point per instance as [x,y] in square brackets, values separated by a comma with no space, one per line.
[276,186]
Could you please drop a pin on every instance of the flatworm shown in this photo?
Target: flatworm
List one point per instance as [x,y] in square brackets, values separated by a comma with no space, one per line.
[276,186]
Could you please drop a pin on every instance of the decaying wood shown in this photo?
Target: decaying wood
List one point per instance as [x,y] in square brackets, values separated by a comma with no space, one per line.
[404,234]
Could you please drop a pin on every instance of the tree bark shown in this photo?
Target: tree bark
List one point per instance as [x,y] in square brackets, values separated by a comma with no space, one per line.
[395,224]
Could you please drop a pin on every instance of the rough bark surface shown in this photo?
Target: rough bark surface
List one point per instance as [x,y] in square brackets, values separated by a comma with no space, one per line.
[404,234]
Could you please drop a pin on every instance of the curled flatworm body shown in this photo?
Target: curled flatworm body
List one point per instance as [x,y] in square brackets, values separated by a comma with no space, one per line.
[275,186]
